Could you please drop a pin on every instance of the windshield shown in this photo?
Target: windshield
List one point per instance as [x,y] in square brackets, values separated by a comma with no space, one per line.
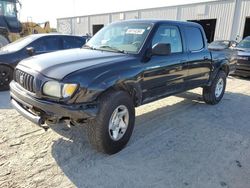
[7,8]
[245,43]
[18,45]
[121,37]
[219,44]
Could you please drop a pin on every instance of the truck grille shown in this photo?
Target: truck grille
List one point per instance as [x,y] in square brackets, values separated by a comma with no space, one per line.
[25,80]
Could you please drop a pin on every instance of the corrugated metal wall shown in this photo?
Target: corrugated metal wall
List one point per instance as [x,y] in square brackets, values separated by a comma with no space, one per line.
[80,25]
[230,16]
[244,13]
[99,19]
[131,15]
[221,11]
[160,13]
[115,17]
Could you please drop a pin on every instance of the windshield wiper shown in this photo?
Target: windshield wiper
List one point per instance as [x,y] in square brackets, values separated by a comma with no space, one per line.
[112,48]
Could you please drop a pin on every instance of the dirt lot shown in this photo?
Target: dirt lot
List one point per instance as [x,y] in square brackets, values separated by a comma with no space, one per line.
[178,142]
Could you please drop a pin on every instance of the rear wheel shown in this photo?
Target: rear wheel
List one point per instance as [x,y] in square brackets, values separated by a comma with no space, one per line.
[214,93]
[111,130]
[3,41]
[6,75]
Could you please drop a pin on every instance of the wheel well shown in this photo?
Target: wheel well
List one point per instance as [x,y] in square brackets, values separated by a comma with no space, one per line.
[130,90]
[225,68]
[7,66]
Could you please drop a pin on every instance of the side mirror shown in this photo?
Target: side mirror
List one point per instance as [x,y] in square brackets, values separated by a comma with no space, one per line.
[30,51]
[233,45]
[161,49]
[87,39]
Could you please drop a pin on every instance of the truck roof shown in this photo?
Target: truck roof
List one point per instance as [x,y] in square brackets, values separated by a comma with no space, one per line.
[36,36]
[158,21]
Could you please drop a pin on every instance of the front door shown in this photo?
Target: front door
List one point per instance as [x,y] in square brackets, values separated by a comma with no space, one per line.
[165,75]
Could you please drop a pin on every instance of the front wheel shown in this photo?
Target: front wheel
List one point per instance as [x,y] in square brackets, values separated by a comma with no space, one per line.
[111,130]
[214,93]
[6,75]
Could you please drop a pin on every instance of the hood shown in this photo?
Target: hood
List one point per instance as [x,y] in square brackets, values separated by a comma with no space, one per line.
[59,64]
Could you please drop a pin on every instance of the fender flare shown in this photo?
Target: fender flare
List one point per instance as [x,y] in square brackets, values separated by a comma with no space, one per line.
[222,65]
[131,87]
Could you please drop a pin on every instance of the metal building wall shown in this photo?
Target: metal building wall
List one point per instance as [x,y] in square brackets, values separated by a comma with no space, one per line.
[80,25]
[99,19]
[132,15]
[230,16]
[115,17]
[242,13]
[222,11]
[160,13]
[64,26]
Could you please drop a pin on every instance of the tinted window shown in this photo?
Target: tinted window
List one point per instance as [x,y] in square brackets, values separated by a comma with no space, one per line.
[245,43]
[168,34]
[39,45]
[194,38]
[73,42]
[46,44]
[52,43]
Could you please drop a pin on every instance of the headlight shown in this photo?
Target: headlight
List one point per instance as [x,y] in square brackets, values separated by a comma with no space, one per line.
[68,90]
[59,90]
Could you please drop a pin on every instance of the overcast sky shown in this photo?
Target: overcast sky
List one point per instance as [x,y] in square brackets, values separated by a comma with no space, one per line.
[50,10]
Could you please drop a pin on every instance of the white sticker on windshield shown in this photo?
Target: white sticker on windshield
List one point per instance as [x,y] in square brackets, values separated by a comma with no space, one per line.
[135,31]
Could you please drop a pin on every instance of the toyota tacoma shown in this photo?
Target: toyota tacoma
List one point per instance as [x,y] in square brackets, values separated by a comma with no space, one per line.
[125,65]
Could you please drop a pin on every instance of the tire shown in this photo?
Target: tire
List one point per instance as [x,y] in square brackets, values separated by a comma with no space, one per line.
[3,41]
[100,135]
[6,75]
[214,93]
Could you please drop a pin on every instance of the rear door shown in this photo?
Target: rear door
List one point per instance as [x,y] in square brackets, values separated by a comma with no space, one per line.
[199,65]
[165,75]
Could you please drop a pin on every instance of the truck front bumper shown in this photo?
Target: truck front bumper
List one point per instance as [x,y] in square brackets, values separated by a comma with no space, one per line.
[39,111]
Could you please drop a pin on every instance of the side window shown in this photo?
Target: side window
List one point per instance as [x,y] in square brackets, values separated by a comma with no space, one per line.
[194,38]
[52,43]
[72,42]
[38,45]
[168,34]
[46,44]
[80,42]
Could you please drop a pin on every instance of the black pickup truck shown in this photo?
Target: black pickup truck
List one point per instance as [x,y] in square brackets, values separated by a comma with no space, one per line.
[125,65]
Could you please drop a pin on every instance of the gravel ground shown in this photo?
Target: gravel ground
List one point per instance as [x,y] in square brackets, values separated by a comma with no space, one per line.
[177,142]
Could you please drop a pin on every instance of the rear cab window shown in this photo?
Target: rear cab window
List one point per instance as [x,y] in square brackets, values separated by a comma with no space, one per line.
[194,38]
